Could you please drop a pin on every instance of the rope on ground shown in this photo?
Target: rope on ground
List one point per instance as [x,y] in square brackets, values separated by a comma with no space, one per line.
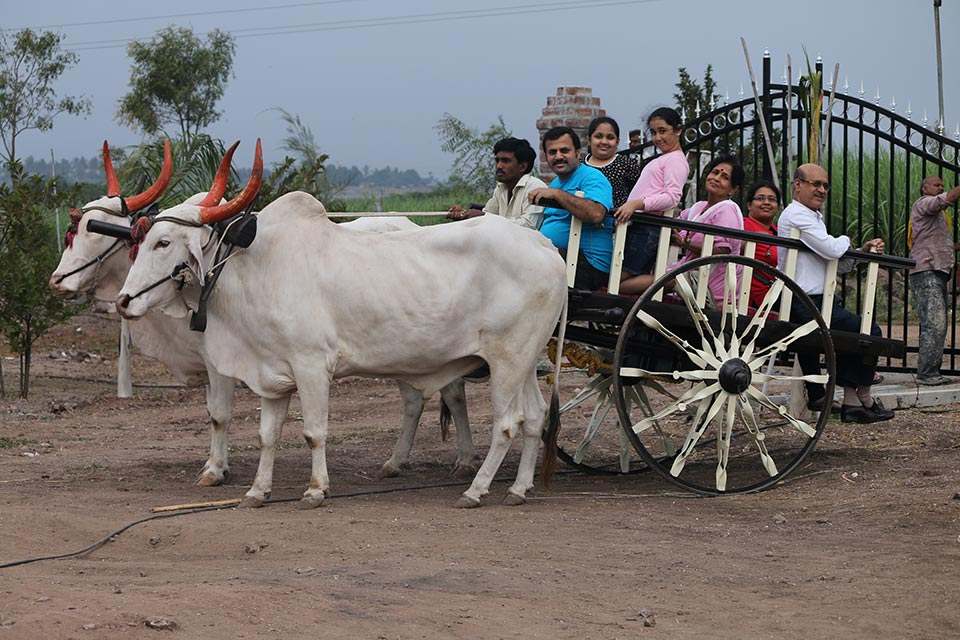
[160,516]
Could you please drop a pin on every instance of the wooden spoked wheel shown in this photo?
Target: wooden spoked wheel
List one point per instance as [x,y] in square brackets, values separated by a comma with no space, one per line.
[591,439]
[724,424]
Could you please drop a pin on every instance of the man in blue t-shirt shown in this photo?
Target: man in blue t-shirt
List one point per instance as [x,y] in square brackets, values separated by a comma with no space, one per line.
[561,147]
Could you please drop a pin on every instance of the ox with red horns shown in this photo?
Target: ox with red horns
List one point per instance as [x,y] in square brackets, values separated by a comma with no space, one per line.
[310,301]
[75,271]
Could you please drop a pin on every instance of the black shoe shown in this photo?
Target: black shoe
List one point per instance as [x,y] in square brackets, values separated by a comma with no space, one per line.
[858,414]
[817,404]
[880,411]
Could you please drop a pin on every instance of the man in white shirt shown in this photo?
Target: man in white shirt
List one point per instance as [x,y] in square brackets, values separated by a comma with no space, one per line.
[855,372]
[514,159]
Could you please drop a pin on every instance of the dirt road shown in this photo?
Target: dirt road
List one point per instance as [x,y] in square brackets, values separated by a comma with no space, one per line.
[862,542]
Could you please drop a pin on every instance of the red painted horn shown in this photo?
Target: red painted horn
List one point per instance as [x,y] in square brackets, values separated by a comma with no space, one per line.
[113,185]
[154,191]
[219,186]
[212,214]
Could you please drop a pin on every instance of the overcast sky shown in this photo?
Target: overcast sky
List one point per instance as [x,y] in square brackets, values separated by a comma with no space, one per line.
[372,92]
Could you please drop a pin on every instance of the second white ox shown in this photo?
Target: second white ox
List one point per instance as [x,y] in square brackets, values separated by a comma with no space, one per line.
[309,302]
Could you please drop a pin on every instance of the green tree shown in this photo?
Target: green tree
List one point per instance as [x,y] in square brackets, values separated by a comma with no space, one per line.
[694,97]
[30,65]
[302,169]
[472,149]
[177,79]
[195,163]
[28,255]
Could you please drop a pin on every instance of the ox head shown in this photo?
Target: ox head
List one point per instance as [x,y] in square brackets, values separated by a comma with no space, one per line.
[174,246]
[89,256]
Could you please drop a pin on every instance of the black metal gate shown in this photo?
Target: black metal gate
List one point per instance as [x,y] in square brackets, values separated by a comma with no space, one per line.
[876,159]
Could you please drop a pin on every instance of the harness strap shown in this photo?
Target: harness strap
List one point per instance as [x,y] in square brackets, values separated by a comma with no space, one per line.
[100,258]
[180,274]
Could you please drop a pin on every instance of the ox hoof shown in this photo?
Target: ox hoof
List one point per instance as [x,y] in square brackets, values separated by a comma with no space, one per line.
[513,500]
[310,502]
[466,502]
[211,479]
[250,502]
[389,471]
[463,471]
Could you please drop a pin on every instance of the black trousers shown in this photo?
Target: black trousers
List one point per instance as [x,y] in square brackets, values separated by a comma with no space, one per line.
[588,276]
[853,369]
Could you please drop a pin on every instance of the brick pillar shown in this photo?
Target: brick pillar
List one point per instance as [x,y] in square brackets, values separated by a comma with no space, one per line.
[572,107]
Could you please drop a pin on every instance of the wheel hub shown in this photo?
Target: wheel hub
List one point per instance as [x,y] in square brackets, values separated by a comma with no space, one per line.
[735,376]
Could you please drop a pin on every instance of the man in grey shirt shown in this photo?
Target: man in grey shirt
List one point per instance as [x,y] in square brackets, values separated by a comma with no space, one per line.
[933,250]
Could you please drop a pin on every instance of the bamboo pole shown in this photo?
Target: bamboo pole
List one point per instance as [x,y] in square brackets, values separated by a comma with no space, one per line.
[763,122]
[789,127]
[833,94]
[936,25]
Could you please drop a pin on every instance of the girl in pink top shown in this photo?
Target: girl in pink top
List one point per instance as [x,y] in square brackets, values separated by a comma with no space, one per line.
[659,188]
[724,178]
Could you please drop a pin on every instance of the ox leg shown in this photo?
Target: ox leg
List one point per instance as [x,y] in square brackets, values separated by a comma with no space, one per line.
[315,401]
[220,407]
[456,400]
[273,411]
[412,410]
[506,392]
[534,410]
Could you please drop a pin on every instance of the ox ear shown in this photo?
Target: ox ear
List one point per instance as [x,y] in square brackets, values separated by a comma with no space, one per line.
[197,262]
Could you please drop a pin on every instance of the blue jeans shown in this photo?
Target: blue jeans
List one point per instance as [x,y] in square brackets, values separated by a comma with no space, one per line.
[930,301]
[640,249]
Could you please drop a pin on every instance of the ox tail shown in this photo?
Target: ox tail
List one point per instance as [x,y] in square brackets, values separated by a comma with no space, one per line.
[552,429]
[445,417]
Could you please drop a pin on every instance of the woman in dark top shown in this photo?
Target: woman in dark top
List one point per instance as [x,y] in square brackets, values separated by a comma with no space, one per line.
[621,170]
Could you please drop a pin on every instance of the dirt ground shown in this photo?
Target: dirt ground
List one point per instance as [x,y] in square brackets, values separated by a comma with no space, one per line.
[862,542]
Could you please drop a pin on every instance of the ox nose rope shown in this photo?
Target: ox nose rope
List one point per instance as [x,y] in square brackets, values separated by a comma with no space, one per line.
[112,249]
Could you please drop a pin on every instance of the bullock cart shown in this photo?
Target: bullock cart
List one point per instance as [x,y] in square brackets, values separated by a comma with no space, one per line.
[709,398]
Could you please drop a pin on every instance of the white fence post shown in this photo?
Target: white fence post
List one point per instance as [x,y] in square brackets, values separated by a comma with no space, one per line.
[124,378]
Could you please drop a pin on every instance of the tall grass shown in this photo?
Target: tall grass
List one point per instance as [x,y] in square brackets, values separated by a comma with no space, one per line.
[870,208]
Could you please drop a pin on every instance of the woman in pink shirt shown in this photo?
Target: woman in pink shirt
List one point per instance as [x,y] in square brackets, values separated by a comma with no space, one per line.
[658,189]
[724,178]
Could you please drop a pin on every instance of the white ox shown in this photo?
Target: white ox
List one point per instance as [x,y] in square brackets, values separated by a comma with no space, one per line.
[99,264]
[309,302]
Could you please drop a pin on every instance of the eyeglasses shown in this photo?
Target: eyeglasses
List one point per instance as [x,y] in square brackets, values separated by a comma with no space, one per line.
[816,184]
[772,199]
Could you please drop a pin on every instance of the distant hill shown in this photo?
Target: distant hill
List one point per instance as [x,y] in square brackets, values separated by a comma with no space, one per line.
[352,179]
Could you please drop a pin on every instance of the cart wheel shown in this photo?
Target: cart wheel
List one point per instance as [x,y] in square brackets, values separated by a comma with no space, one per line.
[719,371]
[591,439]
